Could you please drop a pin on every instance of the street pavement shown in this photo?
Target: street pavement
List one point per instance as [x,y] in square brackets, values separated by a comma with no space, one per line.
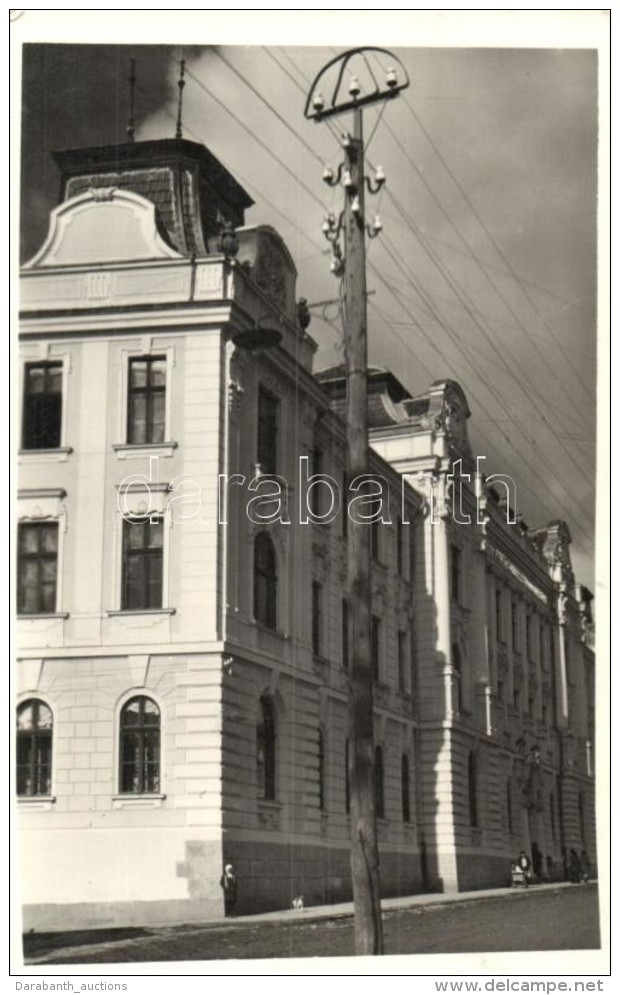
[544,917]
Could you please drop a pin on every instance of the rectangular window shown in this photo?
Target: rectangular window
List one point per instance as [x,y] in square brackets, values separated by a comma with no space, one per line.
[146,403]
[455,574]
[345,634]
[400,559]
[316,468]
[375,646]
[528,636]
[514,625]
[266,450]
[499,621]
[37,568]
[375,550]
[42,406]
[317,622]
[143,548]
[403,684]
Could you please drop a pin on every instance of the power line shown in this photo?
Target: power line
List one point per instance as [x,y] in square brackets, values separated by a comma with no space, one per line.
[492,239]
[253,135]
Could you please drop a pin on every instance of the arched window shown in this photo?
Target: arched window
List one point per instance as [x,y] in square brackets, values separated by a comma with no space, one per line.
[266,750]
[265,582]
[379,787]
[34,748]
[140,732]
[404,787]
[347,783]
[321,758]
[458,676]
[472,779]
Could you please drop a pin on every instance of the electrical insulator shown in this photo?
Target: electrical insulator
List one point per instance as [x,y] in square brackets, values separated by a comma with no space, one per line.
[379,176]
[354,87]
[376,225]
[347,181]
[390,78]
[318,102]
[355,205]
[328,174]
[336,265]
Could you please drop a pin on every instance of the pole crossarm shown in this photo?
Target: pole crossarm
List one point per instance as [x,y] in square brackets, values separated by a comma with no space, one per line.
[352,98]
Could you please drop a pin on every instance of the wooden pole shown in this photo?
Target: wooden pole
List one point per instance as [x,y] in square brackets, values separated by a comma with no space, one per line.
[364,847]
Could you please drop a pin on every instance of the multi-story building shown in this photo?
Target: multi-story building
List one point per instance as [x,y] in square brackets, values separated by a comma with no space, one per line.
[183,613]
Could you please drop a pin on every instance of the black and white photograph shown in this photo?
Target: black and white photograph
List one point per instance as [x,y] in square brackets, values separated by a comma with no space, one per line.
[310,388]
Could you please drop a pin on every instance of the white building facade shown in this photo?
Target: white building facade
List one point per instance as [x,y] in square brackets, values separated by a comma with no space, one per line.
[183,626]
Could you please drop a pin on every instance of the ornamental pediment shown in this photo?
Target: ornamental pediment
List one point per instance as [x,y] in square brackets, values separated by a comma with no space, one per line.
[103,225]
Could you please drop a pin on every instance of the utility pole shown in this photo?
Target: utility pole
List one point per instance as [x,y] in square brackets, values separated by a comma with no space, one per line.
[352,265]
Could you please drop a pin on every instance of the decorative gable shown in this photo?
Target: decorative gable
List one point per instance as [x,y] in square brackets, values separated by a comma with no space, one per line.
[103,225]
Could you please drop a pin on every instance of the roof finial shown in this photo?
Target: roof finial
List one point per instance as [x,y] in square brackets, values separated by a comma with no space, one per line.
[180,85]
[132,90]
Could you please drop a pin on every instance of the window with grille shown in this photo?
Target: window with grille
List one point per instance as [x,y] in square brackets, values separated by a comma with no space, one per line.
[37,566]
[472,783]
[265,582]
[266,750]
[379,784]
[509,806]
[317,620]
[143,560]
[140,734]
[375,646]
[499,620]
[403,683]
[400,558]
[321,759]
[345,634]
[404,788]
[514,626]
[457,667]
[146,408]
[316,469]
[34,749]
[455,574]
[42,419]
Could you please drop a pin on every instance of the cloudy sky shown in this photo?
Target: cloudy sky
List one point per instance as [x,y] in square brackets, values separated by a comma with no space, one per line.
[486,267]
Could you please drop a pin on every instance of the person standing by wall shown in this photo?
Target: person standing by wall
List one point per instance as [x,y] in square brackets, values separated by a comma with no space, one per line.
[229,883]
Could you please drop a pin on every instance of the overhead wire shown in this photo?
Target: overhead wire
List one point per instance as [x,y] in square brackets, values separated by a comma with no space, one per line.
[487,232]
[277,158]
[465,300]
[490,388]
[563,484]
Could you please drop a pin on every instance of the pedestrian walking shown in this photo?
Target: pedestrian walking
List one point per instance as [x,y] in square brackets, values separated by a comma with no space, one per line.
[229,884]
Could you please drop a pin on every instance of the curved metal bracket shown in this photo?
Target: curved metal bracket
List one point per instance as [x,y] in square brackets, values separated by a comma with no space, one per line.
[316,110]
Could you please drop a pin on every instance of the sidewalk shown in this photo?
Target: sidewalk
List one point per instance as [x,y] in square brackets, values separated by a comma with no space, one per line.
[40,948]
[317,912]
